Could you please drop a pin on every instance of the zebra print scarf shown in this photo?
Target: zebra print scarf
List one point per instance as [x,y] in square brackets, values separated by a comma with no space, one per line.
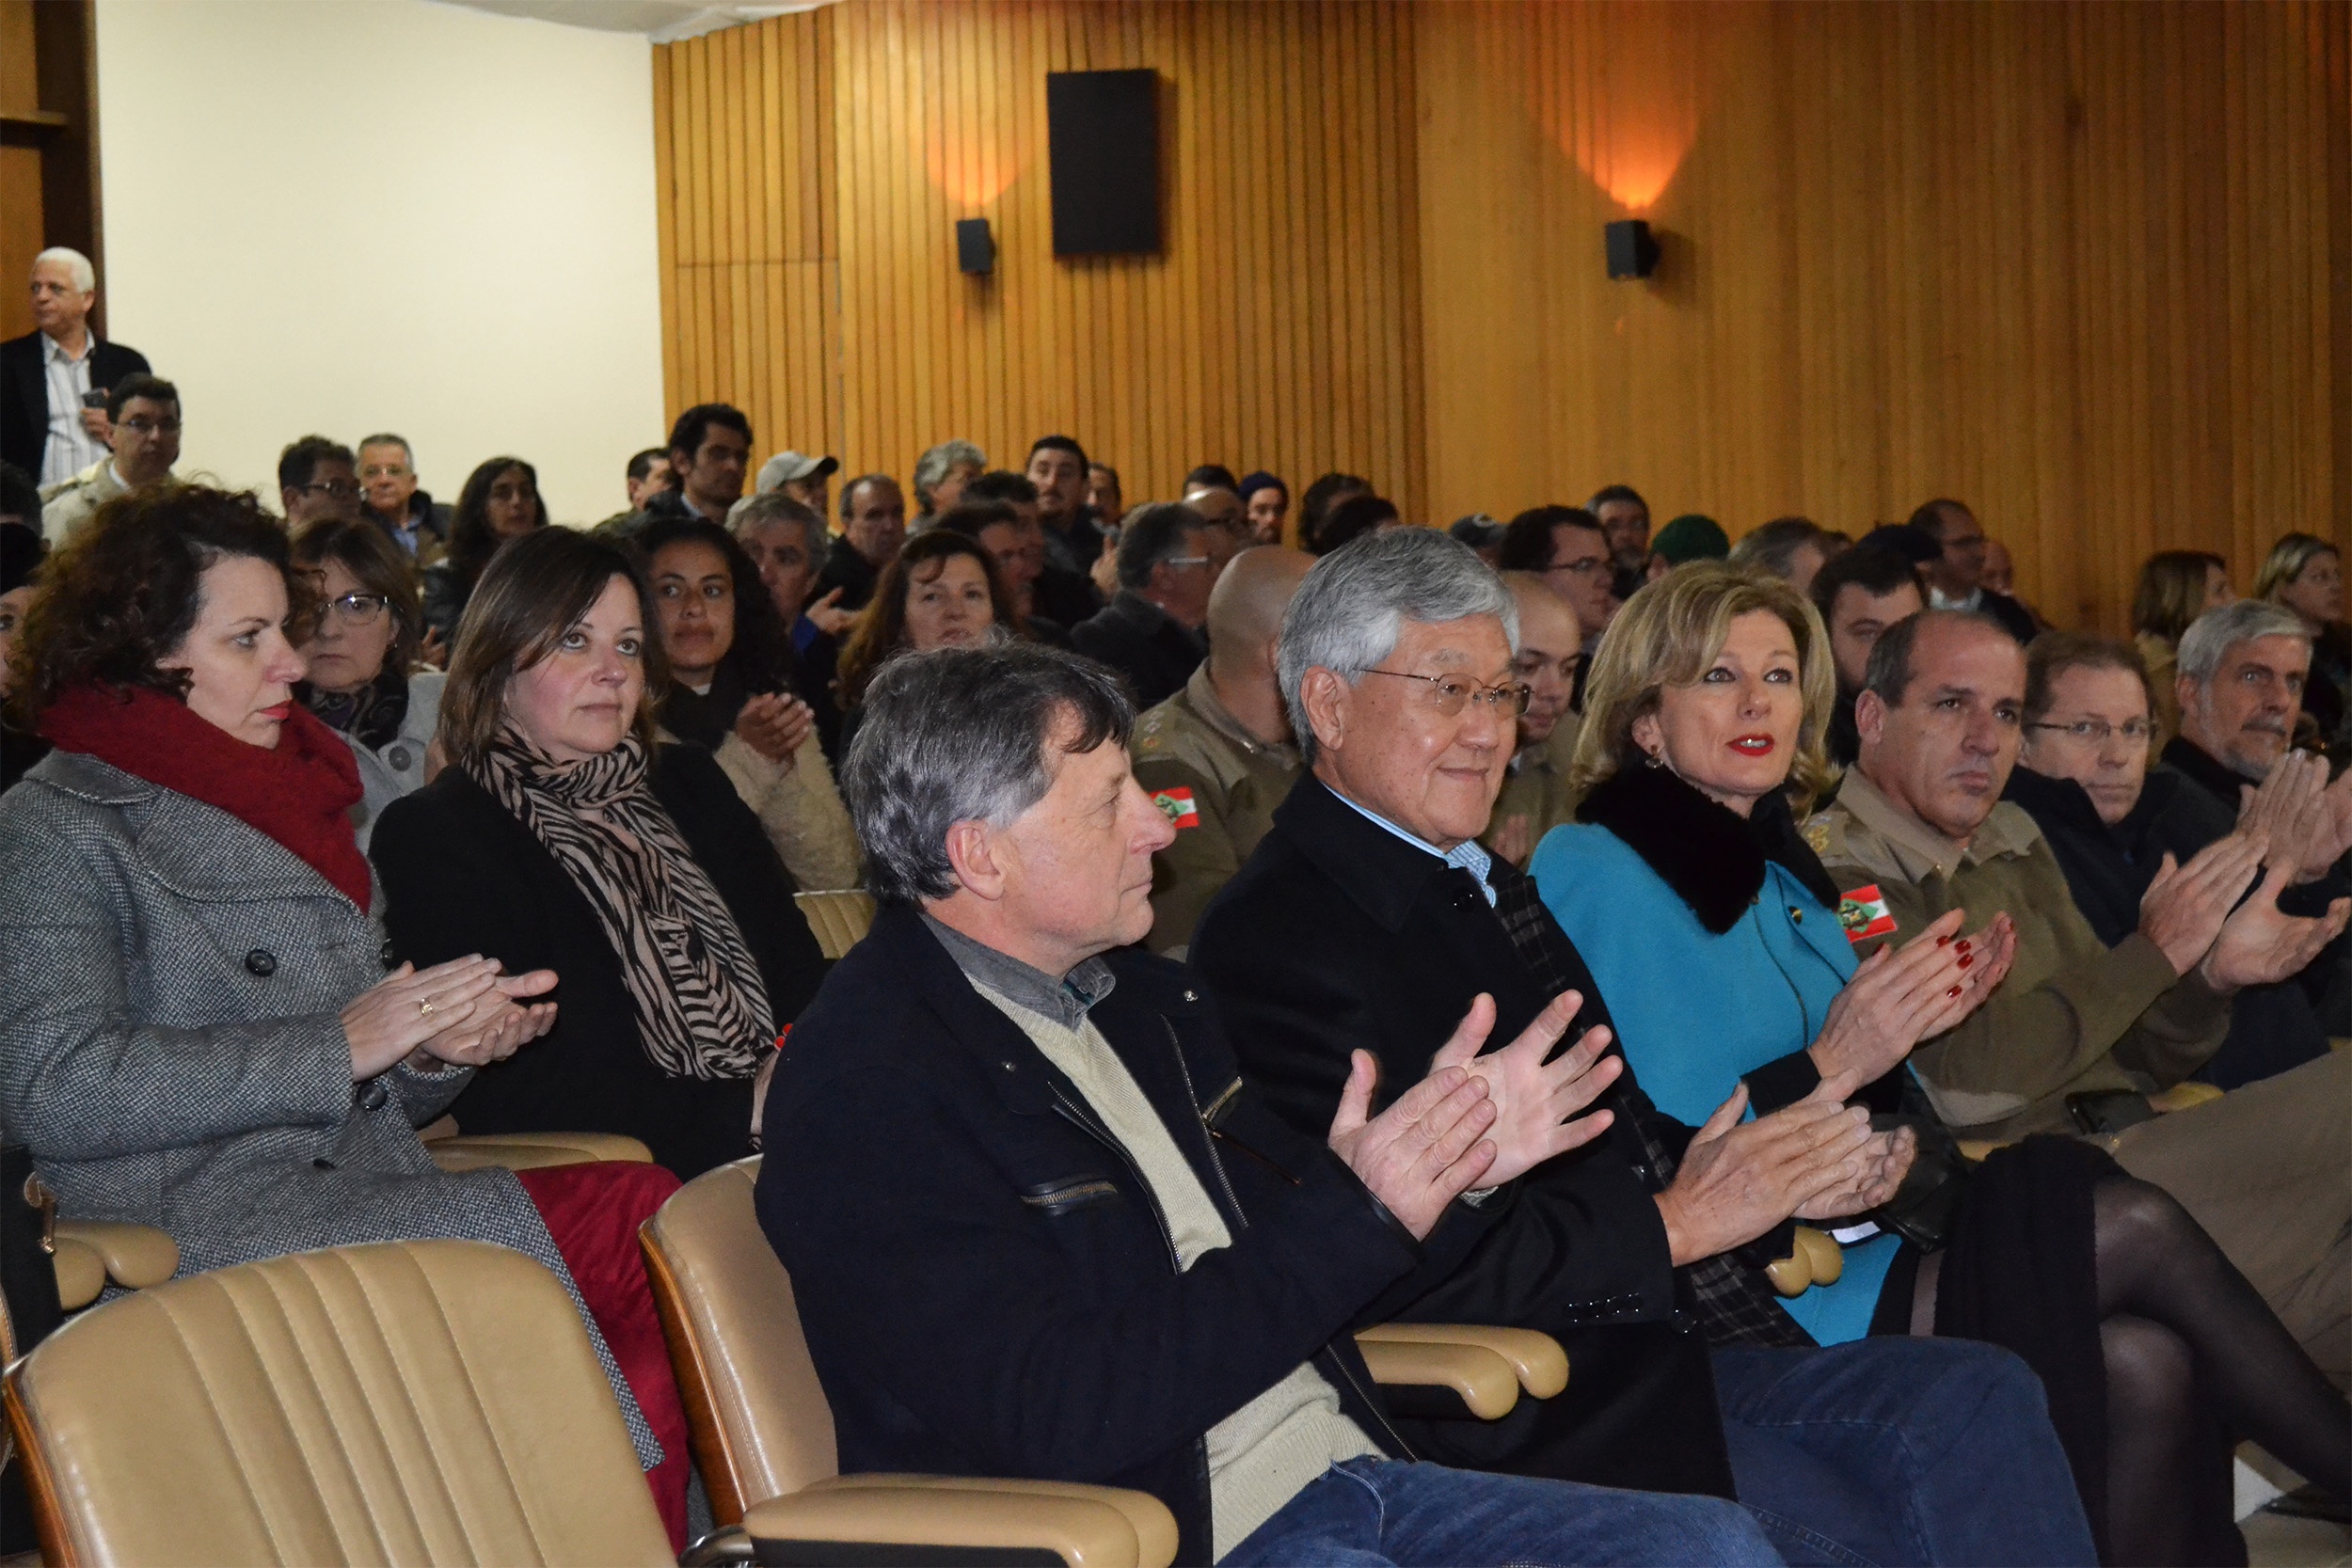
[702,1007]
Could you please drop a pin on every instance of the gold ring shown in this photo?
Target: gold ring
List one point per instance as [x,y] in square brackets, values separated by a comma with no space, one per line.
[424,1009]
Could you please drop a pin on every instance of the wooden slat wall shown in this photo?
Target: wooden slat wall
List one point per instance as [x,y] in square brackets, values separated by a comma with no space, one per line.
[2088,265]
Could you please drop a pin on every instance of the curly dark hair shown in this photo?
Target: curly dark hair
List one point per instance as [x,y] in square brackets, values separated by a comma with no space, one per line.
[882,627]
[126,589]
[762,650]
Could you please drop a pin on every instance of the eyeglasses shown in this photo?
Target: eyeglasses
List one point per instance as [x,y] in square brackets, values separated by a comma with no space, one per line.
[341,489]
[385,470]
[2095,732]
[1185,561]
[142,425]
[356,610]
[1449,695]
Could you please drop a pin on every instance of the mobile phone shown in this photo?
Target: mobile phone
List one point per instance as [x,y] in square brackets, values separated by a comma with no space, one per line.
[94,398]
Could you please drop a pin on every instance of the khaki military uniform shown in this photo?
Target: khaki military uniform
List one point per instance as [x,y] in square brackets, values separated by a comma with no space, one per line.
[66,507]
[1219,785]
[1536,789]
[2262,1169]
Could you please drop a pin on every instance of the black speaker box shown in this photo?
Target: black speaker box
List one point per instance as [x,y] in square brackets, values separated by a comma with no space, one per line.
[1633,250]
[1103,144]
[975,251]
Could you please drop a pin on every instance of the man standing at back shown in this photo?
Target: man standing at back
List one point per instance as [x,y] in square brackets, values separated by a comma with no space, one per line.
[1956,577]
[53,379]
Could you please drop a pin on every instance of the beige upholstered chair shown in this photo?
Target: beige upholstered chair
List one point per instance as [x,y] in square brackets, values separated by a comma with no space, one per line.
[840,919]
[413,1402]
[455,1151]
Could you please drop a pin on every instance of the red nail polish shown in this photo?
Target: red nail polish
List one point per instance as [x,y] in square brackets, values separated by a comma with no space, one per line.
[1965,960]
[1954,992]
[1941,941]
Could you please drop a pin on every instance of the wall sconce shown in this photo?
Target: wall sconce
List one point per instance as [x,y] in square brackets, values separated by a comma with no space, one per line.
[975,250]
[1633,250]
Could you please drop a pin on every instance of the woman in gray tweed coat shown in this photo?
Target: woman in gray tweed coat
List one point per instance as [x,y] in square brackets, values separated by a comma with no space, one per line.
[197,1030]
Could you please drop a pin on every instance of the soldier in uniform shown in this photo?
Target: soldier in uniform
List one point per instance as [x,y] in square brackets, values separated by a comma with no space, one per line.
[1536,798]
[143,412]
[1216,757]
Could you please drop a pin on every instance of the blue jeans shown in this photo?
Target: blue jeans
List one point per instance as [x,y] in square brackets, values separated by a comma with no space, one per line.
[1369,1512]
[1899,1450]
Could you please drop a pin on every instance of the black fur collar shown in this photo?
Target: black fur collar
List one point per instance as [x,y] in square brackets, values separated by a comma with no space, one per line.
[1713,859]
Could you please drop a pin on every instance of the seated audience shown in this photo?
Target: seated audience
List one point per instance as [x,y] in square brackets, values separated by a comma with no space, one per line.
[500,502]
[198,1028]
[1265,499]
[731,694]
[1352,517]
[2305,572]
[1211,476]
[1955,574]
[2000,576]
[2082,775]
[1709,922]
[360,656]
[1058,467]
[560,836]
[22,549]
[2081,1034]
[783,539]
[873,525]
[1017,544]
[1565,546]
[939,475]
[1055,595]
[1228,532]
[317,480]
[1326,493]
[1369,919]
[1860,594]
[647,476]
[1693,536]
[1624,517]
[408,514]
[942,592]
[803,479]
[1791,549]
[143,431]
[1104,496]
[1151,632]
[1105,1294]
[1534,798]
[710,449]
[2175,587]
[50,442]
[1216,757]
[1482,533]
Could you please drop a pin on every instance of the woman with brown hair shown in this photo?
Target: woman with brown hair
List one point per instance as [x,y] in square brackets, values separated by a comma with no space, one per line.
[362,656]
[560,835]
[500,501]
[2175,587]
[2305,572]
[942,591]
[199,1026]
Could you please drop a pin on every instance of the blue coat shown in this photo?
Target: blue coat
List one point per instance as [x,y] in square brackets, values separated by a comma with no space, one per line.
[1695,1010]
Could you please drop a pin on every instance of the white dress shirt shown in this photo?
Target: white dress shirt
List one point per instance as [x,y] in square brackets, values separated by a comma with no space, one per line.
[69,448]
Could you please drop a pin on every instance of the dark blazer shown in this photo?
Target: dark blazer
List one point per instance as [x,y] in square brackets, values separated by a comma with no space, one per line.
[850,572]
[462,875]
[25,393]
[985,1279]
[1135,637]
[2011,614]
[1337,934]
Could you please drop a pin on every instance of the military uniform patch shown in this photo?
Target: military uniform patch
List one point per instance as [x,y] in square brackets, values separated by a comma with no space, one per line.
[1864,915]
[1178,807]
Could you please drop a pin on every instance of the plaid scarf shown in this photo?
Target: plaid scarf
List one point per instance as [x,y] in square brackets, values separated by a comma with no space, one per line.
[1733,1301]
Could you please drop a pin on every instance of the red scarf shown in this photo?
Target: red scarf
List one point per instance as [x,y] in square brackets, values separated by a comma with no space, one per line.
[300,793]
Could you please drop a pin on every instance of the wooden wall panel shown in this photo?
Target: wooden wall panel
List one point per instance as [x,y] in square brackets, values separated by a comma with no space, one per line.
[2088,265]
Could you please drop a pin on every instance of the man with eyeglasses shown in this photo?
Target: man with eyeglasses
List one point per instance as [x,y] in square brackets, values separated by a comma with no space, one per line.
[408,514]
[1567,547]
[1150,631]
[317,479]
[143,430]
[2081,1035]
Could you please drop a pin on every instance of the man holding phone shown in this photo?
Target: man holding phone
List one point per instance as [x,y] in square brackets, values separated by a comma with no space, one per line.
[143,429]
[55,379]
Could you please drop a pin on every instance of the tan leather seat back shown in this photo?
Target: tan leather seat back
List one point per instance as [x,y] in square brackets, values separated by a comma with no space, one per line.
[762,1424]
[839,919]
[416,1402]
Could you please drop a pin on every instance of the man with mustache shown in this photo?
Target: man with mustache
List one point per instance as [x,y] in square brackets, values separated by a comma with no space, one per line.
[2079,1035]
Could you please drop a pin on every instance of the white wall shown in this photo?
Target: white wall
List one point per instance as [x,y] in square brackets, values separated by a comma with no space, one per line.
[350,215]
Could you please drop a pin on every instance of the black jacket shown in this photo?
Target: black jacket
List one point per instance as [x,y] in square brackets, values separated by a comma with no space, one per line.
[462,875]
[1064,597]
[2011,614]
[848,571]
[1137,638]
[1336,935]
[25,393]
[986,1281]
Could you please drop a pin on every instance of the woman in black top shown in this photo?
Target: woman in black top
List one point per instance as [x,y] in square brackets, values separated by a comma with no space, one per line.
[500,501]
[559,832]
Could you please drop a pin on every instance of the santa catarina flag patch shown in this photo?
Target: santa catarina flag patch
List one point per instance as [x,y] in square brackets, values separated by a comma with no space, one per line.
[1177,806]
[1863,914]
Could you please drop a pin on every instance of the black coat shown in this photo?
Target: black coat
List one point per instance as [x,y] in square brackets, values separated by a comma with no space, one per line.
[25,393]
[985,1279]
[847,571]
[2011,614]
[1135,637]
[462,875]
[1337,934]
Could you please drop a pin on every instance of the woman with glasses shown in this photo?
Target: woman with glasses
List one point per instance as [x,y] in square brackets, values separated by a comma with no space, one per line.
[361,656]
[1712,928]
[2084,777]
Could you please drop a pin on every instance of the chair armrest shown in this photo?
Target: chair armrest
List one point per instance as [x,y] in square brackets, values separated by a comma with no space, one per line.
[531,1151]
[1083,1527]
[136,1256]
[1536,1359]
[2186,1095]
[80,1274]
[1978,1148]
[1440,1380]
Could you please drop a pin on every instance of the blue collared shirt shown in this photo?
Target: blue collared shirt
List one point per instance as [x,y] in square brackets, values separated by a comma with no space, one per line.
[1470,855]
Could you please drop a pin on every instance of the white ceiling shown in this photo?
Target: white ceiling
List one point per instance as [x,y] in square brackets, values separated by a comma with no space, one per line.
[660,20]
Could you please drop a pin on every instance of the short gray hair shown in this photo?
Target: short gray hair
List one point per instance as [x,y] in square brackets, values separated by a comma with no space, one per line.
[959,735]
[774,506]
[85,276]
[2212,635]
[1353,604]
[937,463]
